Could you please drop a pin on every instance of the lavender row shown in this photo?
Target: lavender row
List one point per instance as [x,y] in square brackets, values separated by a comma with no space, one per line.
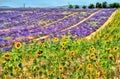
[51,28]
[88,26]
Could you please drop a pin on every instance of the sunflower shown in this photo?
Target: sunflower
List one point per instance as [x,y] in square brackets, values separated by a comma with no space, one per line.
[39,53]
[98,74]
[115,49]
[7,56]
[72,52]
[56,39]
[89,66]
[63,48]
[107,42]
[106,35]
[92,56]
[92,48]
[108,50]
[18,45]
[80,67]
[63,44]
[68,58]
[111,57]
[61,68]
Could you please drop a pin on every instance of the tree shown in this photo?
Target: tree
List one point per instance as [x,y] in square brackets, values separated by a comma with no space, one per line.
[91,6]
[98,5]
[104,5]
[77,6]
[70,6]
[114,5]
[84,7]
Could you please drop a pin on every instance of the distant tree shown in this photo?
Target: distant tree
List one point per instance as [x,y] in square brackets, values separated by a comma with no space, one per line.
[77,6]
[104,5]
[110,6]
[84,6]
[114,5]
[70,6]
[91,6]
[98,5]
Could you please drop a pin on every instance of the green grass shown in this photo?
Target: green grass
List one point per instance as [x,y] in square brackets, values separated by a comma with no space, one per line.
[76,59]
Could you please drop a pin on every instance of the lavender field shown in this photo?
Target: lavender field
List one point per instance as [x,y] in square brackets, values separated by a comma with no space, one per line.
[59,43]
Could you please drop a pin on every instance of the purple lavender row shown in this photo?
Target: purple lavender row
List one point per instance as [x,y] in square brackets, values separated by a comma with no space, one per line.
[20,19]
[54,27]
[40,31]
[31,25]
[90,25]
[71,20]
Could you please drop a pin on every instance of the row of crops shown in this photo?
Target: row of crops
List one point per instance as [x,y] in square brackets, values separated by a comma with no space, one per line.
[25,25]
[65,54]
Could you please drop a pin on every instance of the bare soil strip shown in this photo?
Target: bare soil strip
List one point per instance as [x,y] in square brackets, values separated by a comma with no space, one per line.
[103,26]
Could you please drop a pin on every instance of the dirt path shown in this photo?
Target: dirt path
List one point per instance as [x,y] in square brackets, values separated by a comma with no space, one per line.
[103,26]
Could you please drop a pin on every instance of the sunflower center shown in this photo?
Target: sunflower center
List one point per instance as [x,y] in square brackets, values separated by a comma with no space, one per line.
[7,55]
[18,45]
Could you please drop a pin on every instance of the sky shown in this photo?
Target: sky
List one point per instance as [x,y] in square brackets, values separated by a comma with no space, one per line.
[49,3]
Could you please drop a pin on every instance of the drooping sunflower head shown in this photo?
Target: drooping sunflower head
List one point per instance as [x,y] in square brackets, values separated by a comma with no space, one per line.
[18,45]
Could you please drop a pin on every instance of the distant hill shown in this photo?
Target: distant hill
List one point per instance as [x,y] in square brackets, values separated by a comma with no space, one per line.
[5,7]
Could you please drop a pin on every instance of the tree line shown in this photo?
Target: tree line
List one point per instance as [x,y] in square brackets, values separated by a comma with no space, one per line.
[97,5]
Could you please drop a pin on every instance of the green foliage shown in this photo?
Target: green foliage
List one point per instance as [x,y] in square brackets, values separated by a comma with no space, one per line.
[98,5]
[104,5]
[91,6]
[77,6]
[70,6]
[84,6]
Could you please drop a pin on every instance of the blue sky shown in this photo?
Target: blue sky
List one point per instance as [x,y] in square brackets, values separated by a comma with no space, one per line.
[48,3]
